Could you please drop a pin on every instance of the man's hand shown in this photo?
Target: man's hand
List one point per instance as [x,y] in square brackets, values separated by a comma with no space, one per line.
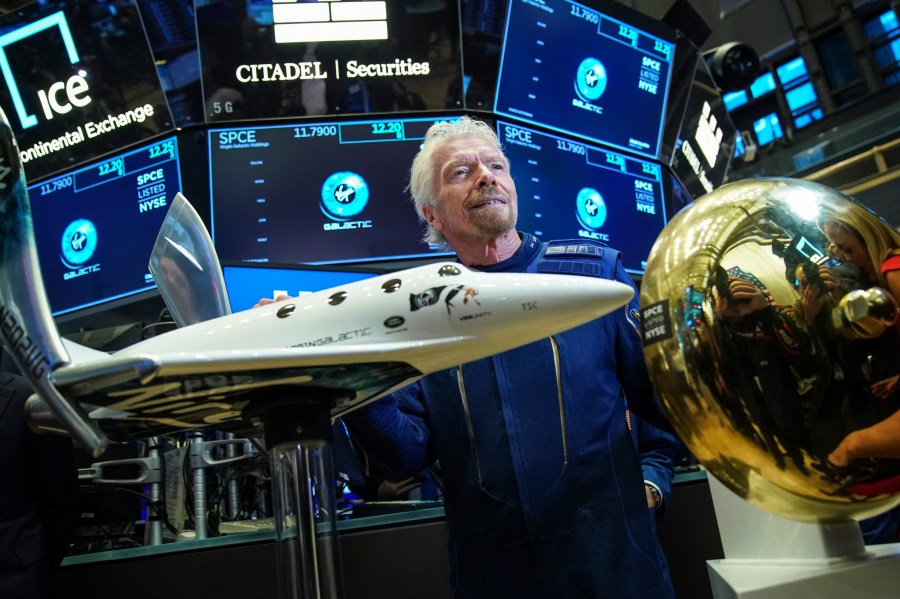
[393,490]
[745,299]
[843,454]
[885,388]
[268,300]
[653,497]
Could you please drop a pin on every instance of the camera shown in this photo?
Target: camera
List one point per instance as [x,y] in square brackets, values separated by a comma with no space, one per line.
[812,276]
[722,283]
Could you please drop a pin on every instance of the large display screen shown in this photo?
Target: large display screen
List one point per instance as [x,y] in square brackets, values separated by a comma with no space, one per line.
[568,189]
[172,33]
[79,81]
[316,192]
[264,59]
[599,74]
[95,226]
[247,283]
[705,142]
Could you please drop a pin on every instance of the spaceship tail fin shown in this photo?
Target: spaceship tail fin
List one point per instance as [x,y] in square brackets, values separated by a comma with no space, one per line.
[26,324]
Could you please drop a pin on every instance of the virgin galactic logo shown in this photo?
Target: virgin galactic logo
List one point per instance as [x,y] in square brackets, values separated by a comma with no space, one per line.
[344,195]
[78,244]
[591,80]
[79,241]
[591,209]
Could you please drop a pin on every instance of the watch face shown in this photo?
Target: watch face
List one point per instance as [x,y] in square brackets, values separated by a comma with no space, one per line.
[654,492]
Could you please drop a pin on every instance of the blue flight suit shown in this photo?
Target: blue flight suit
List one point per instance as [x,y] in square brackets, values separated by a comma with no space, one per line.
[544,495]
[658,451]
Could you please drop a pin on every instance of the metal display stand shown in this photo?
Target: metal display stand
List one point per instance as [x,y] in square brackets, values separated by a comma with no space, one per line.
[148,472]
[201,458]
[770,557]
[298,437]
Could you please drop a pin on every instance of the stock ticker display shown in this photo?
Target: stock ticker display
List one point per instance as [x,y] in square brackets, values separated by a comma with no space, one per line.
[316,192]
[95,226]
[568,189]
[600,75]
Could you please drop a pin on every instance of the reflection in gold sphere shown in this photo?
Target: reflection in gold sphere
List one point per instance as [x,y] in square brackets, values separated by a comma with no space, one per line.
[751,350]
[865,313]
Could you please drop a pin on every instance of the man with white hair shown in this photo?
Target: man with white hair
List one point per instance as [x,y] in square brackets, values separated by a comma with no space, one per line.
[544,494]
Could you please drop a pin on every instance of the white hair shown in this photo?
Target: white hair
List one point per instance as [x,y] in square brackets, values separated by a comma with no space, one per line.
[421,176]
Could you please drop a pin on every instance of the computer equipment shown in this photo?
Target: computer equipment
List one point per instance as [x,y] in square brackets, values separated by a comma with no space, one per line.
[317,192]
[95,225]
[597,70]
[568,189]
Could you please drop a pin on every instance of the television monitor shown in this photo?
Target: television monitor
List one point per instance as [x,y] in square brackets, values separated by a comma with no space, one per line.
[95,226]
[79,81]
[248,282]
[595,70]
[568,189]
[763,84]
[306,58]
[172,33]
[323,192]
[483,22]
[800,97]
[791,70]
[808,117]
[735,99]
[767,129]
[706,139]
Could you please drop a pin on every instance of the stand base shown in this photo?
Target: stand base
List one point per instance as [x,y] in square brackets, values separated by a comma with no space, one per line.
[876,576]
[770,557]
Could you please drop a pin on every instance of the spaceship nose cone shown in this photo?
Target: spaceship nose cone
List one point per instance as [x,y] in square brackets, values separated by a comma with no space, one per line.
[548,304]
[585,298]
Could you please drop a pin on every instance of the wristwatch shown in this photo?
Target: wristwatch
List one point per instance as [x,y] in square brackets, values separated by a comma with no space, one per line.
[655,494]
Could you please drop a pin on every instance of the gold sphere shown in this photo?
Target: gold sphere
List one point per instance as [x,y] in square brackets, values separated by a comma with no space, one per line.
[759,366]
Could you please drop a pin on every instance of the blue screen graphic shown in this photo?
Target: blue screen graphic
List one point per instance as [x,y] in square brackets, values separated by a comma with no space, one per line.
[791,70]
[735,99]
[95,227]
[316,192]
[567,189]
[763,85]
[739,148]
[808,117]
[800,96]
[767,129]
[579,71]
[884,23]
[247,283]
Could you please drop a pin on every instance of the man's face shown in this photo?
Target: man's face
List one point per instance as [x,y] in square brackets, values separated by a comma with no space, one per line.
[476,196]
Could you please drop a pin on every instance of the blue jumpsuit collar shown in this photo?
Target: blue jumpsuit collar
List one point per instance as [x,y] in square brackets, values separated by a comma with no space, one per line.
[519,261]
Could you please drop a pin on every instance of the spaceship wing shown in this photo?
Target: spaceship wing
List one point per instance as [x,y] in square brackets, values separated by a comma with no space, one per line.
[143,395]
